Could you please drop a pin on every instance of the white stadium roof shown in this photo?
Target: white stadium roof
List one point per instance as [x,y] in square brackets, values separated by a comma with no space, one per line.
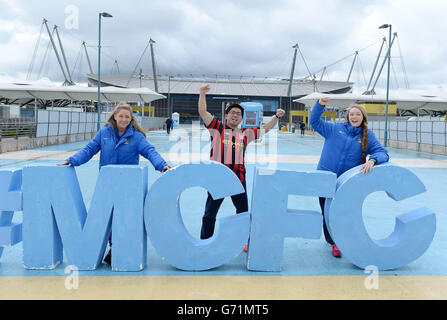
[404,99]
[225,86]
[77,93]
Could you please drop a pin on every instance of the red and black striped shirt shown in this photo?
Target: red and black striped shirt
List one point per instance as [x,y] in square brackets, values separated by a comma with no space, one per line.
[228,145]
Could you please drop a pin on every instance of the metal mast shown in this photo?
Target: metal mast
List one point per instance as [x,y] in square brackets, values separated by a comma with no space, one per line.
[63,55]
[289,89]
[374,69]
[352,66]
[88,58]
[153,65]
[117,67]
[66,82]
[381,67]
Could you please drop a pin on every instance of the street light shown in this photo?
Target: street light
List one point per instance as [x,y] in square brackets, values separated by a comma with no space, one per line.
[169,95]
[385,26]
[105,15]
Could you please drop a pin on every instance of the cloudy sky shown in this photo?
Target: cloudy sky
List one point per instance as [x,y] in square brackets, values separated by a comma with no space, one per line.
[250,38]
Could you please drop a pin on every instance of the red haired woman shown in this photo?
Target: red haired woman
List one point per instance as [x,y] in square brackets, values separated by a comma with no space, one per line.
[346,145]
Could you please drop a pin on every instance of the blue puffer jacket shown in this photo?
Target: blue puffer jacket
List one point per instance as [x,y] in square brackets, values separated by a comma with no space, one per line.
[342,145]
[125,151]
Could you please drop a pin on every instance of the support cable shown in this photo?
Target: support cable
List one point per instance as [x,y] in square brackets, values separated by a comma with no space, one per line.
[138,63]
[361,68]
[45,56]
[407,83]
[33,59]
[76,61]
[344,58]
[304,60]
[394,74]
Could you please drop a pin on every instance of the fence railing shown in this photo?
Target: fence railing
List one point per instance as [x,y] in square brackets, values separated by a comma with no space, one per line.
[56,123]
[14,128]
[423,132]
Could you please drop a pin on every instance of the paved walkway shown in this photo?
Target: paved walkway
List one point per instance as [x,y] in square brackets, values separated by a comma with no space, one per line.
[308,269]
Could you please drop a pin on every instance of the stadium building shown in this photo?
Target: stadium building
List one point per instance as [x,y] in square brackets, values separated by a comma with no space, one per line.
[183,92]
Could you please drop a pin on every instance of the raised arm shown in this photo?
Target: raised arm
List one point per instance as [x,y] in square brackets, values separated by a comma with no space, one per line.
[319,125]
[269,125]
[204,114]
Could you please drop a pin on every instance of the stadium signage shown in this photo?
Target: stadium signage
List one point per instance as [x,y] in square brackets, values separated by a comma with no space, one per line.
[55,219]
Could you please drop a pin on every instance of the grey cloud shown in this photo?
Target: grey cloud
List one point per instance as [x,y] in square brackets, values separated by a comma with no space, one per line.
[251,38]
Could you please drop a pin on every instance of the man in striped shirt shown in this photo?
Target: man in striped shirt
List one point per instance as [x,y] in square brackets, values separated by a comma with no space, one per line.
[228,144]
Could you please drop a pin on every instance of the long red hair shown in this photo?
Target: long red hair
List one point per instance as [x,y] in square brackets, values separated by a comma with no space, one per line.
[364,126]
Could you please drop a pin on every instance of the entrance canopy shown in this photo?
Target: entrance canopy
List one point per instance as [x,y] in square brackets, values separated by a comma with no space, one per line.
[76,93]
[405,100]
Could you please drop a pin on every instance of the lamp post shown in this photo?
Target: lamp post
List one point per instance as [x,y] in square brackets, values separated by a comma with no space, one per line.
[169,96]
[385,26]
[105,15]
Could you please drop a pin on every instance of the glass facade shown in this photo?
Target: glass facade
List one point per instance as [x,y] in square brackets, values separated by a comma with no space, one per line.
[270,105]
[187,105]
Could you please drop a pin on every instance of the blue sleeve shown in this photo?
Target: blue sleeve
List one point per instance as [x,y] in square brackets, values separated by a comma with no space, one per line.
[84,155]
[322,127]
[376,150]
[148,151]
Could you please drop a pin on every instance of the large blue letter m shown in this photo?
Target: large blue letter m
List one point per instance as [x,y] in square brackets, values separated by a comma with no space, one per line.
[55,218]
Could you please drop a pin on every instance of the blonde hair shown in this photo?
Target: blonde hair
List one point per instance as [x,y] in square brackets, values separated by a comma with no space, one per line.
[364,126]
[123,106]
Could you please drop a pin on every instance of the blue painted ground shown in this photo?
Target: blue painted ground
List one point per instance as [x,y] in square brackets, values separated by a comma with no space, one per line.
[301,256]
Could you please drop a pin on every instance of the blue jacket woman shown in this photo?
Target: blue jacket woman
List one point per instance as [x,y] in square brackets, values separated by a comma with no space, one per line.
[342,149]
[116,149]
[121,141]
[346,145]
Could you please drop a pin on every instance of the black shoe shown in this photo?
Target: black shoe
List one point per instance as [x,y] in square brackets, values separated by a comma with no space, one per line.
[108,258]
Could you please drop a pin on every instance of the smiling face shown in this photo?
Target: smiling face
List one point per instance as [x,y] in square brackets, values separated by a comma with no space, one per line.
[122,118]
[234,117]
[355,117]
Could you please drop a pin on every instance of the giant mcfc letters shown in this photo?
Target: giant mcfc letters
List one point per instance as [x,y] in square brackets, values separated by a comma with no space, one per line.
[55,219]
[10,201]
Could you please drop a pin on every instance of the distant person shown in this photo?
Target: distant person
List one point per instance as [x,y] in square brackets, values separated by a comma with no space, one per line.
[121,141]
[302,127]
[168,125]
[346,145]
[228,144]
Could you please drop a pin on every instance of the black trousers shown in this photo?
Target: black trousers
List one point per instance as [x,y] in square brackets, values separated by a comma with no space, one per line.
[212,206]
[326,232]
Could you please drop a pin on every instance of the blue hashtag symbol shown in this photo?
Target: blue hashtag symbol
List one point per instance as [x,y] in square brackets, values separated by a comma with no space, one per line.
[10,201]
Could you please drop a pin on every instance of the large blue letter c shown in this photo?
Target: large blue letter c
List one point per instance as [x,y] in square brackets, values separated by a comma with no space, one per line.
[414,230]
[164,223]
